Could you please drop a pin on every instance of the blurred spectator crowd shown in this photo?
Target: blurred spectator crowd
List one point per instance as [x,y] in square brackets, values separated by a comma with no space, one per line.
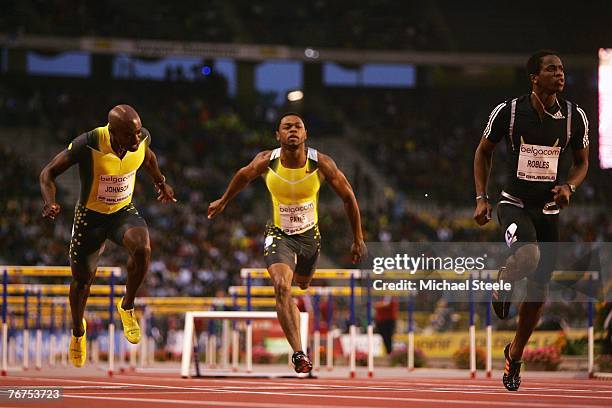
[372,24]
[201,140]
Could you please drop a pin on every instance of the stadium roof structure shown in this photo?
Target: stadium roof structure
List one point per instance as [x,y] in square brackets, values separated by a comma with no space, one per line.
[254,52]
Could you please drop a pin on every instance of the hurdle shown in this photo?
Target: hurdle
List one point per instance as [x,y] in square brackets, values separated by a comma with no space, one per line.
[316,335]
[370,328]
[38,358]
[352,331]
[52,339]
[64,339]
[111,326]
[489,334]
[317,292]
[351,291]
[557,275]
[590,332]
[144,327]
[38,290]
[189,332]
[235,338]
[4,369]
[329,337]
[489,346]
[410,348]
[26,333]
[53,302]
[472,331]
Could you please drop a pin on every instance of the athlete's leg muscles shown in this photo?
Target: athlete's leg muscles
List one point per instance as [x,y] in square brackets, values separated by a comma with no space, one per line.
[547,230]
[522,263]
[136,241]
[286,309]
[530,311]
[303,281]
[306,264]
[83,274]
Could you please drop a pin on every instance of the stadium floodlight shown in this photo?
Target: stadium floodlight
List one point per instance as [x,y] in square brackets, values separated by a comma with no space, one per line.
[605,108]
[295,96]
[311,53]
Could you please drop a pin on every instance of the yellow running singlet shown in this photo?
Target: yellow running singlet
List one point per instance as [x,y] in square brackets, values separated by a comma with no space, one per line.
[294,193]
[107,182]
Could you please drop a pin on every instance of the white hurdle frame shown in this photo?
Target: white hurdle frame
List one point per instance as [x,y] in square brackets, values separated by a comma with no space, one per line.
[230,315]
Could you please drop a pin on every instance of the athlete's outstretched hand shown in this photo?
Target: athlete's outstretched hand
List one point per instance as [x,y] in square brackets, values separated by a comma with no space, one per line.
[562,195]
[51,211]
[483,211]
[216,207]
[166,194]
[358,251]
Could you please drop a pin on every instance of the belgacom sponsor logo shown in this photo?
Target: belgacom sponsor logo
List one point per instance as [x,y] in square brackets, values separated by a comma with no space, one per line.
[539,152]
[297,208]
[115,179]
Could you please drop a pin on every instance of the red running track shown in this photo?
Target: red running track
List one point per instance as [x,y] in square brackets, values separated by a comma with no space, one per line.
[150,390]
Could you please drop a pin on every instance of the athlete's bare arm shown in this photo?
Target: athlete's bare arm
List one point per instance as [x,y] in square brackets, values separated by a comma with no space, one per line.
[343,188]
[241,179]
[52,170]
[483,159]
[576,176]
[166,193]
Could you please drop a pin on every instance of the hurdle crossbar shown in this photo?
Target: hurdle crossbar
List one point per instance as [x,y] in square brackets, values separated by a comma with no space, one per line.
[15,270]
[312,290]
[230,315]
[319,273]
[54,289]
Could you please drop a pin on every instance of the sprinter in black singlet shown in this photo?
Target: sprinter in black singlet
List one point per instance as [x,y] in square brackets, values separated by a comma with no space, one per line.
[539,128]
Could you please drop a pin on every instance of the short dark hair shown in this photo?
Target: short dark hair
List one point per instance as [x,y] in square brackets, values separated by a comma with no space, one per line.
[284,115]
[534,63]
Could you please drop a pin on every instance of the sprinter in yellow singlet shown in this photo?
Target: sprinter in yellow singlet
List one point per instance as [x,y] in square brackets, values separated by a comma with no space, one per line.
[108,158]
[293,174]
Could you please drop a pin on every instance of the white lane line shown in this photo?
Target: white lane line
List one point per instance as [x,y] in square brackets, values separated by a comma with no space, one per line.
[494,390]
[590,386]
[157,392]
[476,392]
[55,380]
[208,403]
[466,384]
[472,389]
[97,387]
[530,387]
[407,399]
[501,392]
[488,390]
[581,382]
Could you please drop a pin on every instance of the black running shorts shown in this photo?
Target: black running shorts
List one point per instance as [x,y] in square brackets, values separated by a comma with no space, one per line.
[91,229]
[299,251]
[530,225]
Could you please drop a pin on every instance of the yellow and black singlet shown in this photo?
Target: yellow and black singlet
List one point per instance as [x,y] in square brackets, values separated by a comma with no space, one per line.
[294,193]
[107,181]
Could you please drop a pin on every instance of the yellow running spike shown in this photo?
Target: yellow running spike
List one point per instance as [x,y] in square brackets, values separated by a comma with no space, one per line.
[130,323]
[78,348]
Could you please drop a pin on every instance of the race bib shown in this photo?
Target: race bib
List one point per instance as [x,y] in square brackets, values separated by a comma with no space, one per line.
[538,163]
[296,218]
[116,188]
